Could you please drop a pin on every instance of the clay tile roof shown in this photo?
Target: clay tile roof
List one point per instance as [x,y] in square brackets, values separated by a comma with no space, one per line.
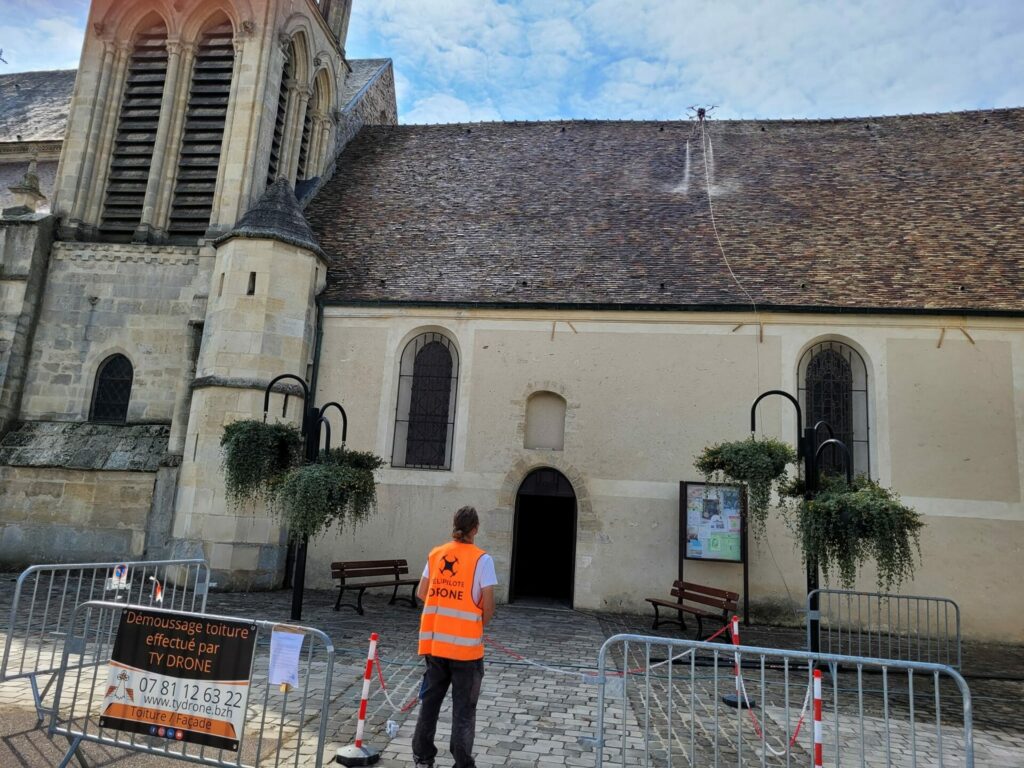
[276,216]
[889,214]
[34,105]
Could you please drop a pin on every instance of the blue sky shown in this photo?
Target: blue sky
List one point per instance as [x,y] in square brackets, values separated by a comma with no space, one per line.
[459,60]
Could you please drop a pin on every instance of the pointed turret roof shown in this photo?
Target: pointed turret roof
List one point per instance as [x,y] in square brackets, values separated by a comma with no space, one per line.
[276,216]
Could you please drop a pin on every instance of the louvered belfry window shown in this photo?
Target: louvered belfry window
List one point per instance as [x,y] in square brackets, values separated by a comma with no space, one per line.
[136,134]
[282,115]
[427,389]
[307,132]
[113,390]
[204,132]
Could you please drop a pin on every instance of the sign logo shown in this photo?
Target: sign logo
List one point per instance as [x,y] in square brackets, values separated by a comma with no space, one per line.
[448,566]
[121,691]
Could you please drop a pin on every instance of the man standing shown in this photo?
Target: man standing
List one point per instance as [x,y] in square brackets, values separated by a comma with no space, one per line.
[457,590]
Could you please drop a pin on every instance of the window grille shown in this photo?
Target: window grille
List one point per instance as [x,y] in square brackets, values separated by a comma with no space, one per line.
[136,134]
[113,390]
[834,389]
[282,115]
[204,132]
[425,414]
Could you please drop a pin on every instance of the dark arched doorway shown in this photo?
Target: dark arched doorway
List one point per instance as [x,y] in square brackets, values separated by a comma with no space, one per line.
[544,539]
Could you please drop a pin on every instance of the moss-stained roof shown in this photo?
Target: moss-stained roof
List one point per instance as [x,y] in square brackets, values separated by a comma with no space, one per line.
[77,445]
[34,105]
[912,213]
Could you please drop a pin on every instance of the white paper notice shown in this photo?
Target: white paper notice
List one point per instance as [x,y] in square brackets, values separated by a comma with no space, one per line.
[285,648]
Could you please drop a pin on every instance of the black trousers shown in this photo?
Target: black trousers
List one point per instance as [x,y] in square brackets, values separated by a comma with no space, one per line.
[465,678]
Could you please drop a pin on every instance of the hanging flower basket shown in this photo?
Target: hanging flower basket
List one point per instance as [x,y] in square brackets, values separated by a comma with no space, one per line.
[256,456]
[341,489]
[759,464]
[845,526]
[265,462]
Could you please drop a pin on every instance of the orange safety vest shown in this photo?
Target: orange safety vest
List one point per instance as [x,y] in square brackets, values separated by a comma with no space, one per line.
[452,625]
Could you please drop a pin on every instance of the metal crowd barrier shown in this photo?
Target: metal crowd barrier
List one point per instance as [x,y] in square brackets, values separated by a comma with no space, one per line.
[276,720]
[889,626]
[45,597]
[660,702]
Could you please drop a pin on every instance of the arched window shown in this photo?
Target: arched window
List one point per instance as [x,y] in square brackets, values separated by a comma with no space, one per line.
[203,135]
[136,132]
[834,389]
[113,390]
[425,415]
[545,422]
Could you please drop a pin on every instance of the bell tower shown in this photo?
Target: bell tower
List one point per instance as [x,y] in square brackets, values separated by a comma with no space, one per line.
[184,112]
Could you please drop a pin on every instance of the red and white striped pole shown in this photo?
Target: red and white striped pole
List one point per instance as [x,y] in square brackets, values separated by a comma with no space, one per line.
[735,632]
[817,720]
[357,754]
[737,700]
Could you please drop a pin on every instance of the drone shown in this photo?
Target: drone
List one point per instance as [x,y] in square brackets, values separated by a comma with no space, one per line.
[2,59]
[700,113]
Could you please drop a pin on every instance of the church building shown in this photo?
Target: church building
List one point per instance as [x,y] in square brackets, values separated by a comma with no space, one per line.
[548,321]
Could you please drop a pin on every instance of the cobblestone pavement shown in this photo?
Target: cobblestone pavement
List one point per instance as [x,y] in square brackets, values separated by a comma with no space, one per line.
[533,716]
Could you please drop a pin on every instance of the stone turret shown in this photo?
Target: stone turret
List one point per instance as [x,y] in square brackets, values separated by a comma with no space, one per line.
[260,323]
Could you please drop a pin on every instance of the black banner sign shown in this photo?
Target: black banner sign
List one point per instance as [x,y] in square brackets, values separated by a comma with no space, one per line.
[181,678]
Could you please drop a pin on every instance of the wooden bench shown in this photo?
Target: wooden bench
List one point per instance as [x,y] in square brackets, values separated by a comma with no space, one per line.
[370,569]
[722,602]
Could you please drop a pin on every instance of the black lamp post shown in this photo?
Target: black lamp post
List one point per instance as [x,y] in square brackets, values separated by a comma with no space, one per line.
[312,419]
[809,452]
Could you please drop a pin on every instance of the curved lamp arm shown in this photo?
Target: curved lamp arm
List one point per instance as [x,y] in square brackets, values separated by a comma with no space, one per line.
[846,453]
[344,419]
[826,425]
[799,415]
[270,387]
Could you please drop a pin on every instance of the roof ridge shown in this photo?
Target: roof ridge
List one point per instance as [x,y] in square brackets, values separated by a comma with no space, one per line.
[732,121]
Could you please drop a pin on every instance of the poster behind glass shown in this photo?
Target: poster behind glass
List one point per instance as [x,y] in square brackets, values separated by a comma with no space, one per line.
[714,522]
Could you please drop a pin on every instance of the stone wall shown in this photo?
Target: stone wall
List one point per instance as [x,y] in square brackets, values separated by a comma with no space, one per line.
[63,515]
[102,299]
[79,492]
[645,393]
[24,253]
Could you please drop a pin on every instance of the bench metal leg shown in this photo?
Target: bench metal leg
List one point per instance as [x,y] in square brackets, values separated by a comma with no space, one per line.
[359,607]
[700,628]
[394,596]
[337,603]
[412,596]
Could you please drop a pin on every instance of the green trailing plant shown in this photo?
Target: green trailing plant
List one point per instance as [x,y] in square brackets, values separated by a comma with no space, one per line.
[312,498]
[264,462]
[759,464]
[256,456]
[340,489]
[845,526]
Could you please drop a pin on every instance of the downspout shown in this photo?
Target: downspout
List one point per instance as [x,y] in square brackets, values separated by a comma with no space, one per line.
[317,347]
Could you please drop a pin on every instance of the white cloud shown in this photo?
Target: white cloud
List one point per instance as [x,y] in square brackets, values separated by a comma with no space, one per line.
[530,59]
[443,108]
[41,35]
